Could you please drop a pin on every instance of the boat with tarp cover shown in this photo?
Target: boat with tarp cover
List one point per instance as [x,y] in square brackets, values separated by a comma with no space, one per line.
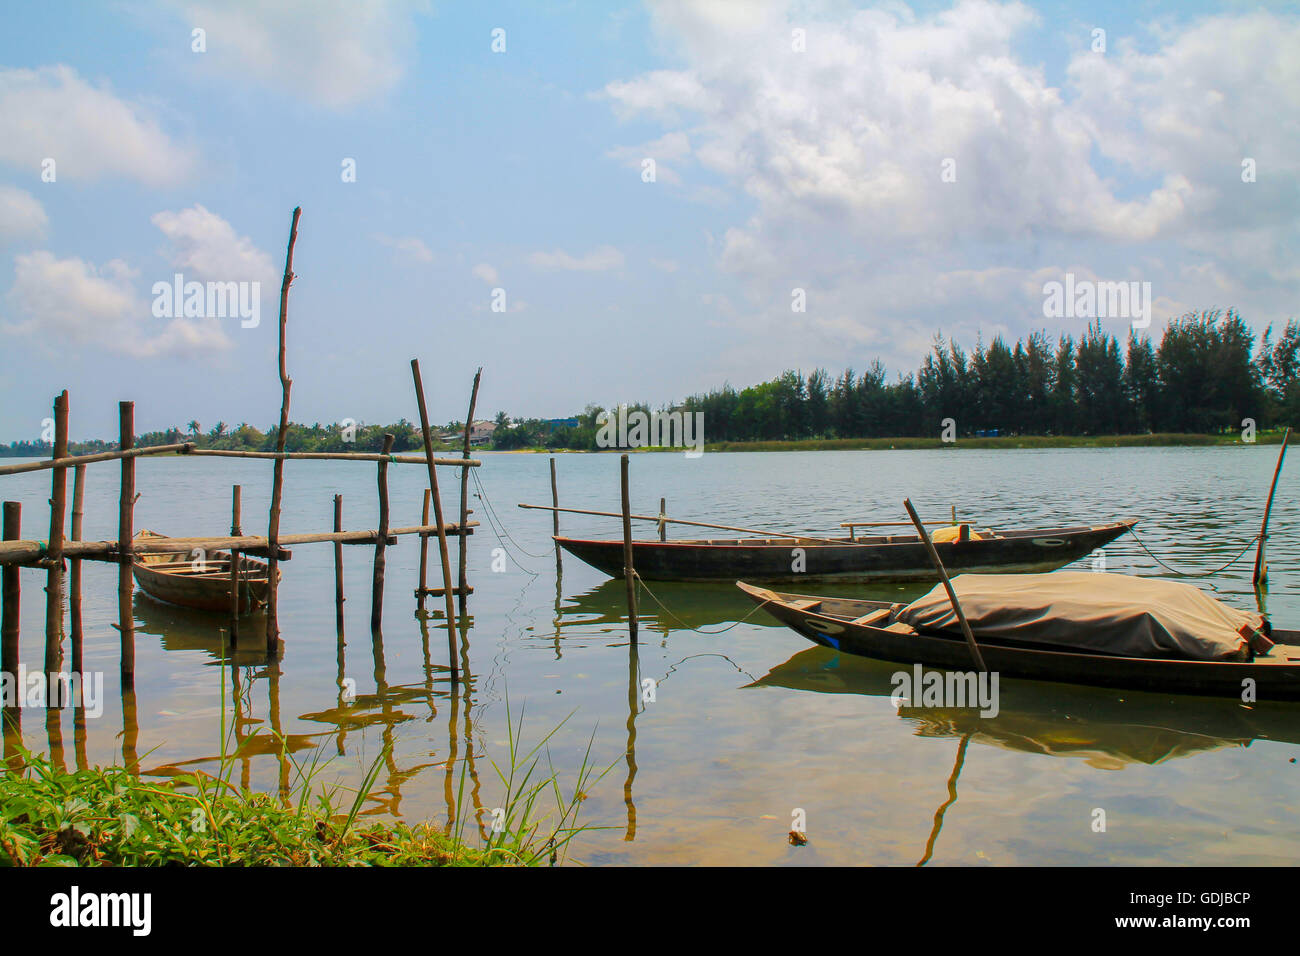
[1103,629]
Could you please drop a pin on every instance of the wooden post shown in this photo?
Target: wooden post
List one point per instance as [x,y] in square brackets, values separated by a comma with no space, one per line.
[58,510]
[74,565]
[125,532]
[10,593]
[277,480]
[437,515]
[235,531]
[1260,576]
[629,574]
[422,591]
[462,576]
[381,542]
[338,565]
[663,513]
[555,518]
[947,584]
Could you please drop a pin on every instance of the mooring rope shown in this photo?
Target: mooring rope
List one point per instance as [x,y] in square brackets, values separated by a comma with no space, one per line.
[687,627]
[482,496]
[1191,574]
[489,513]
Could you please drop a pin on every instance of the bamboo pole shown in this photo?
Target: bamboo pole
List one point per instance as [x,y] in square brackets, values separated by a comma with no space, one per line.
[381,541]
[10,592]
[696,524]
[125,531]
[422,591]
[437,516]
[277,479]
[629,573]
[1260,576]
[462,576]
[58,509]
[72,461]
[338,565]
[74,566]
[947,584]
[235,530]
[331,456]
[890,524]
[34,552]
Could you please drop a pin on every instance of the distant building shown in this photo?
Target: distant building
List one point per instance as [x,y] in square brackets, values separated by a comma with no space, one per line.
[481,432]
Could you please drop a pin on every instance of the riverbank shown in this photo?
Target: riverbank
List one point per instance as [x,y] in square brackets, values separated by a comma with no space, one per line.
[1169,439]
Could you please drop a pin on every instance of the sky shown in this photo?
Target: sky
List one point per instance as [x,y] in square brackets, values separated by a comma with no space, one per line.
[475,190]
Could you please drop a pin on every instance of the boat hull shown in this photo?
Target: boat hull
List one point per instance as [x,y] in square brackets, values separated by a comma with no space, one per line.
[1276,677]
[897,558]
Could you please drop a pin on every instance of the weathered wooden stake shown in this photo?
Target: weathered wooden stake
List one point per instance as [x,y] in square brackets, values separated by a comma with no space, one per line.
[235,531]
[663,513]
[437,517]
[10,593]
[338,566]
[277,480]
[381,542]
[58,510]
[629,574]
[125,532]
[74,565]
[555,519]
[423,590]
[1260,576]
[462,576]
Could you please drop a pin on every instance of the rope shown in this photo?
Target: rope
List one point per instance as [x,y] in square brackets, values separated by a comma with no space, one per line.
[1192,574]
[685,626]
[483,497]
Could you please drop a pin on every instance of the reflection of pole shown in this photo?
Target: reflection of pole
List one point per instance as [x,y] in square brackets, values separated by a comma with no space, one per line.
[273,690]
[633,695]
[1260,577]
[130,731]
[952,798]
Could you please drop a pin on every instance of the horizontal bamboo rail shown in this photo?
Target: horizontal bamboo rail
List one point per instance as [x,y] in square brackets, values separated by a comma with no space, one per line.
[32,552]
[74,460]
[335,456]
[893,524]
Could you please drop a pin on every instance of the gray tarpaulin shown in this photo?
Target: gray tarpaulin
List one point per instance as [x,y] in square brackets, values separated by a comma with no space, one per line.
[1094,611]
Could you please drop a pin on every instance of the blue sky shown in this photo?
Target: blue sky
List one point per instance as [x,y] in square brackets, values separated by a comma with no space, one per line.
[521,171]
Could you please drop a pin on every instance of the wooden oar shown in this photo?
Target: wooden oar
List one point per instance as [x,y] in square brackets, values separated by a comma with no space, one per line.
[696,524]
[1260,577]
[947,584]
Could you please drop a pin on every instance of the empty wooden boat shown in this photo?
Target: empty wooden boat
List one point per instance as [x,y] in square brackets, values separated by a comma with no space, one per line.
[895,557]
[1121,639]
[200,581]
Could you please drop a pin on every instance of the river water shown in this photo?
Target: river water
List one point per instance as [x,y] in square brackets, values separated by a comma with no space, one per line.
[749,725]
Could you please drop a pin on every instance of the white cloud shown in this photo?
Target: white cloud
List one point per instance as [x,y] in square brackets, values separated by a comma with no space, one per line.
[204,244]
[839,151]
[70,302]
[598,260]
[88,131]
[21,215]
[407,246]
[487,273]
[335,53]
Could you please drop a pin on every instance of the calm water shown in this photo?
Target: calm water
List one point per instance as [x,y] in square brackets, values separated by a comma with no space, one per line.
[747,723]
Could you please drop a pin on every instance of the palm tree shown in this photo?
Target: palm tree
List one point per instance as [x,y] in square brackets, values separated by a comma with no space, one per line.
[193,426]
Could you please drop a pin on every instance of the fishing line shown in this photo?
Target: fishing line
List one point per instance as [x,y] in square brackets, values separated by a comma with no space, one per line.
[685,626]
[1191,574]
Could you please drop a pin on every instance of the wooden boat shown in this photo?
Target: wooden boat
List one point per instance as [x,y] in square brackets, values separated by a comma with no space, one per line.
[895,557]
[178,578]
[841,624]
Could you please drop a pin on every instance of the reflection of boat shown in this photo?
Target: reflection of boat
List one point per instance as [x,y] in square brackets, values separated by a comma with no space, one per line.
[203,583]
[1103,727]
[691,606]
[897,557]
[873,629]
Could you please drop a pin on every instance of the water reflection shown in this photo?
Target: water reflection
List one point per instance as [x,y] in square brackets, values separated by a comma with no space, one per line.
[1107,729]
